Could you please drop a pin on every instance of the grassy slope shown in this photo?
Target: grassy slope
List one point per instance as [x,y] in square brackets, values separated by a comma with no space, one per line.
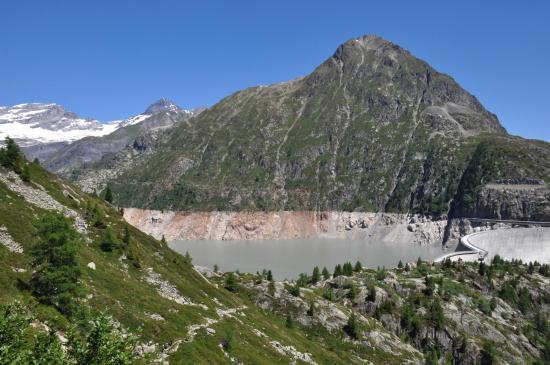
[127,296]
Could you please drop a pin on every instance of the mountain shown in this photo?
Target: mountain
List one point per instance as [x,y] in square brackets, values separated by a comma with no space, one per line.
[42,130]
[457,312]
[373,128]
[158,116]
[36,123]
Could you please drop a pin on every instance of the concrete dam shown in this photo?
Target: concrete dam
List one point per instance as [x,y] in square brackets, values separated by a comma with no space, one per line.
[527,244]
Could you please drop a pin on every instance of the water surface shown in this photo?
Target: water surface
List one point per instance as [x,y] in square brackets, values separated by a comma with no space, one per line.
[288,258]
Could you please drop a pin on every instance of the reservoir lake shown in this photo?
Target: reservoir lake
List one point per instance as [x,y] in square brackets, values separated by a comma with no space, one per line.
[288,258]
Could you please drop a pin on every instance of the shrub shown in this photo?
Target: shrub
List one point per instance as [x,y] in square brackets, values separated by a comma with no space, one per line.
[231,282]
[108,241]
[294,290]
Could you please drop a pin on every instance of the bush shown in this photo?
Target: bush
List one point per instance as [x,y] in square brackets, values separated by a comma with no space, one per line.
[289,321]
[108,242]
[381,274]
[227,342]
[103,344]
[231,282]
[352,293]
[294,290]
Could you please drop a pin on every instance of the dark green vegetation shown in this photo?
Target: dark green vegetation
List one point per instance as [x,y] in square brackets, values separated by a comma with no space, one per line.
[21,343]
[372,128]
[55,270]
[454,313]
[12,159]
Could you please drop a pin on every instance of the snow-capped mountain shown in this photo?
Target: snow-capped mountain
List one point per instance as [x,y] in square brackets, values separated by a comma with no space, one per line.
[36,123]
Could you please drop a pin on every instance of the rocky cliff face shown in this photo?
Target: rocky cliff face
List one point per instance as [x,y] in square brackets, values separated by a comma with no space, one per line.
[513,202]
[371,129]
[382,227]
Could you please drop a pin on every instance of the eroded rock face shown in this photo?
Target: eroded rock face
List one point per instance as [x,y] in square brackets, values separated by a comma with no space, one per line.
[513,201]
[388,227]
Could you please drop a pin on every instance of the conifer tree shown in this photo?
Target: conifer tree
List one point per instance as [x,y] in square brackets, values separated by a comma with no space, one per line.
[108,195]
[326,274]
[56,272]
[316,275]
[108,242]
[351,326]
[231,282]
[337,271]
[11,155]
[126,236]
[26,173]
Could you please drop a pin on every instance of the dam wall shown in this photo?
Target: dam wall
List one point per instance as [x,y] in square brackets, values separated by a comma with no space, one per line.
[526,244]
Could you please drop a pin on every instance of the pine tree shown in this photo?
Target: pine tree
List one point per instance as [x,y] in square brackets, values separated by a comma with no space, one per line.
[326,274]
[337,271]
[352,293]
[26,173]
[108,195]
[56,272]
[358,266]
[316,275]
[351,326]
[482,270]
[269,275]
[216,268]
[289,321]
[126,236]
[231,282]
[11,155]
[108,242]
[311,310]
[347,269]
[400,264]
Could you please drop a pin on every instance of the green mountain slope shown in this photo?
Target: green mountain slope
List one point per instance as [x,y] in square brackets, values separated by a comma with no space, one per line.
[187,318]
[372,128]
[458,313]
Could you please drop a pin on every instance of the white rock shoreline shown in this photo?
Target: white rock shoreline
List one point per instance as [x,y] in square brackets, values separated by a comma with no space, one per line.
[384,227]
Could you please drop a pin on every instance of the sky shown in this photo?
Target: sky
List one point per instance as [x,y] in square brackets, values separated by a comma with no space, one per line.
[111,59]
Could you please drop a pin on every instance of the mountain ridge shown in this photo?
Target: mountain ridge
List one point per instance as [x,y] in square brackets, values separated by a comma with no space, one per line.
[371,128]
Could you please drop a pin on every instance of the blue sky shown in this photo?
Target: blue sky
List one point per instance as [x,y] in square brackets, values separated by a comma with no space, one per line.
[110,59]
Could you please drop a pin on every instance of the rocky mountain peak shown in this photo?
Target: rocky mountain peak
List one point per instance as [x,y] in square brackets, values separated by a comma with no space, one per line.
[160,105]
